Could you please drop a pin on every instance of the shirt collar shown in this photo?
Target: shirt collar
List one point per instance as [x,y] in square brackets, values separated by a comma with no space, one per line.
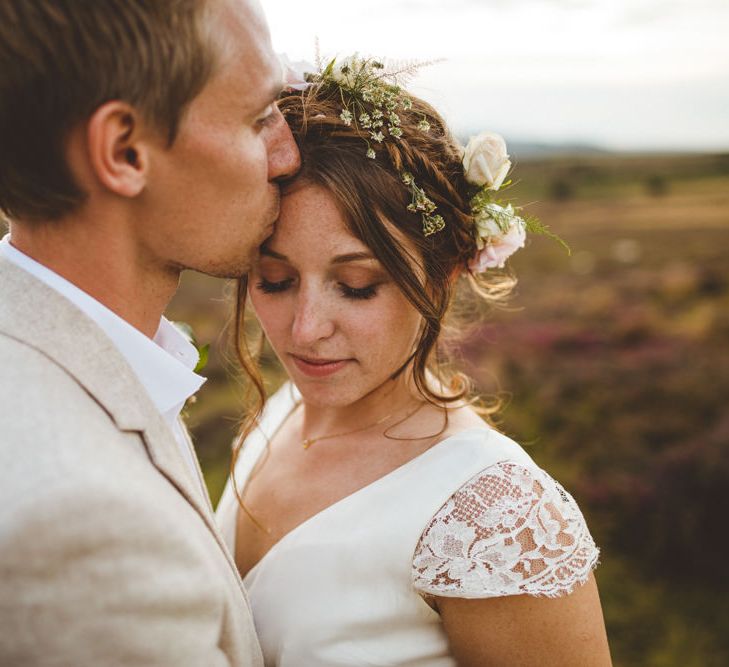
[165,364]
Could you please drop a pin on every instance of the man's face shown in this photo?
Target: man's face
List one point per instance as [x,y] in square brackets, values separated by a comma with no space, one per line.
[212,198]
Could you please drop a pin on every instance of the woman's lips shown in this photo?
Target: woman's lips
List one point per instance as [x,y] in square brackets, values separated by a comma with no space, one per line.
[319,367]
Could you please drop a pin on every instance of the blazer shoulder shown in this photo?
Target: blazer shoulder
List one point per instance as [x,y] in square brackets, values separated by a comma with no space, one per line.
[51,427]
[34,386]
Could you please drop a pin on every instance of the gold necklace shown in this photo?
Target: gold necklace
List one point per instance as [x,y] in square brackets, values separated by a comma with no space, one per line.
[308,442]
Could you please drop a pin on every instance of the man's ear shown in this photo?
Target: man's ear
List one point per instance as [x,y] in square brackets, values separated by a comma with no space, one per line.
[118,154]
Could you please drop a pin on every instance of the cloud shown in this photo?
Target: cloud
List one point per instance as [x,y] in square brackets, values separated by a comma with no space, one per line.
[601,69]
[485,5]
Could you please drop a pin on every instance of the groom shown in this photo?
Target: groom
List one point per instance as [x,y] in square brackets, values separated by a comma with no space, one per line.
[137,139]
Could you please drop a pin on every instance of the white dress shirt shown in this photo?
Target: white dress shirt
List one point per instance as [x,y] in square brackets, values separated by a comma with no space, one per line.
[164,365]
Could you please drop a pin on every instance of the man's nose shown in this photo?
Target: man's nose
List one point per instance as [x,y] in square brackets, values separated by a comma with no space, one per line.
[284,159]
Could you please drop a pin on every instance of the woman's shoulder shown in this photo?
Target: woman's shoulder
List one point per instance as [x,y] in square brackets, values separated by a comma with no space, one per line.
[484,444]
[508,529]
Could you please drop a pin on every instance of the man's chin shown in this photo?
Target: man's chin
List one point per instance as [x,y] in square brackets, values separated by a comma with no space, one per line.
[236,267]
[231,269]
[267,233]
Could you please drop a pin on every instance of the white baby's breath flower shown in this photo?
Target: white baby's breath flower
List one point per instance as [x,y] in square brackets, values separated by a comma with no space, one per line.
[432,224]
[346,117]
[371,153]
[485,161]
[345,72]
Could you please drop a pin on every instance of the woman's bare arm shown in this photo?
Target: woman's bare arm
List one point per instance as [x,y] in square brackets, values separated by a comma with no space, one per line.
[528,631]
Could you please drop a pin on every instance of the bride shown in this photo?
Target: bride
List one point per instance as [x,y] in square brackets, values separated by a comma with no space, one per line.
[376,517]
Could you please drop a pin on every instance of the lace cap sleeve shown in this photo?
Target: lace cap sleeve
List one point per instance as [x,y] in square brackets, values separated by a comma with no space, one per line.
[509,530]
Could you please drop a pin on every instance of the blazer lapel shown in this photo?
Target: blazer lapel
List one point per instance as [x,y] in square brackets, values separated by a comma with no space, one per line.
[196,463]
[36,315]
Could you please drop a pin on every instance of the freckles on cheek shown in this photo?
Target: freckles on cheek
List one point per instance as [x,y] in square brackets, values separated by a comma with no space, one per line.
[271,321]
[260,308]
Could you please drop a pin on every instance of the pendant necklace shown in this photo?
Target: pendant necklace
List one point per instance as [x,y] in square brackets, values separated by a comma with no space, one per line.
[308,442]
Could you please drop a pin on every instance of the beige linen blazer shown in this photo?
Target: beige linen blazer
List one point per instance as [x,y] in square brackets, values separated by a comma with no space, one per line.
[109,553]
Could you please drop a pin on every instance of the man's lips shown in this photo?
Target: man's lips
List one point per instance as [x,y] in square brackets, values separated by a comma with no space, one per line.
[314,367]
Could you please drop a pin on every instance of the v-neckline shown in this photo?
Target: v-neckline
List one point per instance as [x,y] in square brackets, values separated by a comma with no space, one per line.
[276,425]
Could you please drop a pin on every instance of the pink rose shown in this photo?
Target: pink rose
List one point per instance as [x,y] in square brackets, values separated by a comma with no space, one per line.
[497,246]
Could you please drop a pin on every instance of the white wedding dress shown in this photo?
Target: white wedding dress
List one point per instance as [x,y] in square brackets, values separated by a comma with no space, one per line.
[472,517]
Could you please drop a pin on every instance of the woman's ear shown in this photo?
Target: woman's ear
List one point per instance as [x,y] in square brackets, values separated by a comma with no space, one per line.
[117,153]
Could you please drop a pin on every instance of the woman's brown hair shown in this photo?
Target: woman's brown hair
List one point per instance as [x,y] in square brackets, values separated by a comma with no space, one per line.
[373,200]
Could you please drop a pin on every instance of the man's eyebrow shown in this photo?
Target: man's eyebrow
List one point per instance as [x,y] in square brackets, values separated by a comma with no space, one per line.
[267,252]
[279,84]
[276,89]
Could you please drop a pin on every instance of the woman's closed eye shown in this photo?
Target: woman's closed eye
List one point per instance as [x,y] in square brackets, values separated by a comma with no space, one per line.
[274,287]
[347,291]
[358,293]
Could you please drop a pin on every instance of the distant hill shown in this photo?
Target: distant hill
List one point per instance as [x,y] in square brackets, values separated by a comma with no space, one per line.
[533,150]
[524,150]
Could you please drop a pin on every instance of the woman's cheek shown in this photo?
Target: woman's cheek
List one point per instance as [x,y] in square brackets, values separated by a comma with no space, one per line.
[268,313]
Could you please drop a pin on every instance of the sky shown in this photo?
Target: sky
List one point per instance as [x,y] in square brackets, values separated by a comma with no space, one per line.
[617,74]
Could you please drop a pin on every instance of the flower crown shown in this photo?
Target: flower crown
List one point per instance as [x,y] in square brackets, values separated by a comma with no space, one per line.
[372,97]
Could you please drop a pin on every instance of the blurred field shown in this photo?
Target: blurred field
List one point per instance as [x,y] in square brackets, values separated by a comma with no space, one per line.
[615,364]
[618,362]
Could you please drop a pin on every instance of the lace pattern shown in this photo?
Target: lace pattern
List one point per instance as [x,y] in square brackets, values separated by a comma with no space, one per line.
[510,530]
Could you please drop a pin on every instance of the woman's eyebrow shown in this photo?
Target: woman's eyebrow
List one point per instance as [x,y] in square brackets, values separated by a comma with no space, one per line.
[352,257]
[339,259]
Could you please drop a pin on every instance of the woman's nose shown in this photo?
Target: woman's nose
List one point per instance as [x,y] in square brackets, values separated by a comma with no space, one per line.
[312,321]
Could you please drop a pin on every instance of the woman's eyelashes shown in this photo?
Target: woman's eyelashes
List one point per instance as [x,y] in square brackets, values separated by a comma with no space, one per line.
[271,287]
[358,292]
[353,293]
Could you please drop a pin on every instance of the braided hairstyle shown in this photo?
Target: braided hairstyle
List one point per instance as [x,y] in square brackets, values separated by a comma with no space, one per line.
[373,200]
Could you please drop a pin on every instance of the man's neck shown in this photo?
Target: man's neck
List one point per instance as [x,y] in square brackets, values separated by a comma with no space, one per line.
[105,265]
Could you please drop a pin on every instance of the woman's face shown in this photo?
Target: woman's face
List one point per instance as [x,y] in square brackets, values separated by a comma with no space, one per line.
[334,316]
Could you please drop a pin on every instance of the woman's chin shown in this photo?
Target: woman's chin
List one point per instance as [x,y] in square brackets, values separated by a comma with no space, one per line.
[320,396]
[318,393]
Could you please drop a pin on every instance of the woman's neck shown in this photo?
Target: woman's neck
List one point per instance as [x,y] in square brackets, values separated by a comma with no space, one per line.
[380,407]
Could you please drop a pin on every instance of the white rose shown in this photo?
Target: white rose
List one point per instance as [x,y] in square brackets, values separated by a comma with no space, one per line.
[486,161]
